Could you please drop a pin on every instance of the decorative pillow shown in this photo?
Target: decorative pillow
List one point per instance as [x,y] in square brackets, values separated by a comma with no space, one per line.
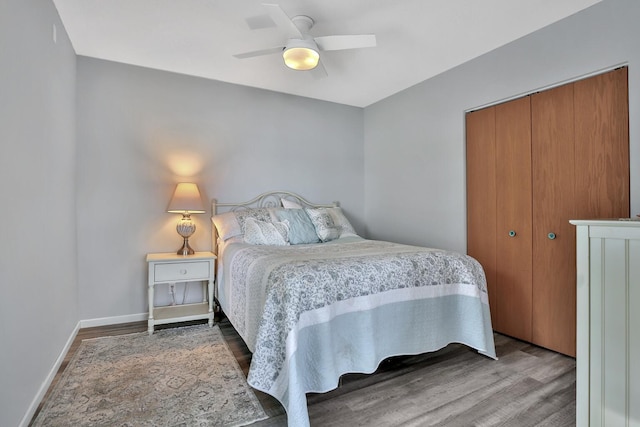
[323,223]
[260,214]
[231,224]
[301,229]
[266,233]
[290,204]
[341,221]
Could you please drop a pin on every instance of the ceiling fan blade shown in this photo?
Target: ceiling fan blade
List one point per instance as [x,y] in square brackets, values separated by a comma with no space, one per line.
[283,21]
[345,42]
[259,52]
[319,72]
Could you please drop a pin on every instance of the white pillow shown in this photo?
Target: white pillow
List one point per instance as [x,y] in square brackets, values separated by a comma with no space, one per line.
[231,224]
[323,223]
[227,225]
[266,233]
[341,221]
[290,204]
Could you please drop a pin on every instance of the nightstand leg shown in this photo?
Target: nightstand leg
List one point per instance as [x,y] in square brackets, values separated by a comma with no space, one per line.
[211,313]
[151,300]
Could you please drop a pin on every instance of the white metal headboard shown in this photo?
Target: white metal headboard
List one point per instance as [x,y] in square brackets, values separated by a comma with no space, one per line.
[271,199]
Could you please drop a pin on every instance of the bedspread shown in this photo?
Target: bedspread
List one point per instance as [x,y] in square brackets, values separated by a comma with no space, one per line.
[310,313]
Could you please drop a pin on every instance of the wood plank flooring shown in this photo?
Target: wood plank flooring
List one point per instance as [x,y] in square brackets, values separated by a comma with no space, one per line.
[526,386]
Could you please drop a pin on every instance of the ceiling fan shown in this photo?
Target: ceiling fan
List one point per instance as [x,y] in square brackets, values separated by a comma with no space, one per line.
[301,51]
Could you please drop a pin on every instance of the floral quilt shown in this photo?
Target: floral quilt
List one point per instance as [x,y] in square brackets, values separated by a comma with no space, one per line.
[281,296]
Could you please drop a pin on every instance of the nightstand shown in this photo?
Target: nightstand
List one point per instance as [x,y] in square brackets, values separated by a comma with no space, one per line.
[170,268]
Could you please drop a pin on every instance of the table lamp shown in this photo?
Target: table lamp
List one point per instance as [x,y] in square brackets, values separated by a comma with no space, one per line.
[186,200]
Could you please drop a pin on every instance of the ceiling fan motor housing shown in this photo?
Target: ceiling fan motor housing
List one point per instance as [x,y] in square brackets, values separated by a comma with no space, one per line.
[303,22]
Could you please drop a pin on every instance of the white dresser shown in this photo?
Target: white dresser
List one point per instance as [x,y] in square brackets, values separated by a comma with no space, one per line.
[608,321]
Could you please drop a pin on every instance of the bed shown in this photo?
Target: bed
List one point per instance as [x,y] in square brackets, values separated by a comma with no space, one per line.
[313,300]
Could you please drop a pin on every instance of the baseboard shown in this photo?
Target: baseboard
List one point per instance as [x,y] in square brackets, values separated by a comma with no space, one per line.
[47,382]
[115,320]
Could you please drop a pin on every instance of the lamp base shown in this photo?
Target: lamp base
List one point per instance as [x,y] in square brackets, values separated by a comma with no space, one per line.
[186,249]
[186,228]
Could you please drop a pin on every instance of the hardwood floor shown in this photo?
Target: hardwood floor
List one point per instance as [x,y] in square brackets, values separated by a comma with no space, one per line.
[526,386]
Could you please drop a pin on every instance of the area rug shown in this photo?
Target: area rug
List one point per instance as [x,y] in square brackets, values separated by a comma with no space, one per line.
[175,377]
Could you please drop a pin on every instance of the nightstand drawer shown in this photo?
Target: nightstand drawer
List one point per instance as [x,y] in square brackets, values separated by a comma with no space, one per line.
[181,271]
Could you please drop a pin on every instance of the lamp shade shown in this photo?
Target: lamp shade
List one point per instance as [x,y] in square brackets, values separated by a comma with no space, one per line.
[186,199]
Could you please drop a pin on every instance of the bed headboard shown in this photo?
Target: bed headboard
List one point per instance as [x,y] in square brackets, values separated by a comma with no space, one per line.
[271,199]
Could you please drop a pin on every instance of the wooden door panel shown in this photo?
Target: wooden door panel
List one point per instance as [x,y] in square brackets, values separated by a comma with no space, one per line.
[513,201]
[533,164]
[602,145]
[481,196]
[554,271]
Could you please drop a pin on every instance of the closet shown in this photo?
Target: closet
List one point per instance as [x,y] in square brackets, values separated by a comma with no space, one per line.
[533,164]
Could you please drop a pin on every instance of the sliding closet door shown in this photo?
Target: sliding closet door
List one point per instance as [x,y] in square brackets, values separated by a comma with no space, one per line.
[602,145]
[481,197]
[533,164]
[513,217]
[554,261]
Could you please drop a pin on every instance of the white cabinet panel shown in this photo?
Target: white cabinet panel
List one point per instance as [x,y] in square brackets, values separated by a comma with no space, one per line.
[608,287]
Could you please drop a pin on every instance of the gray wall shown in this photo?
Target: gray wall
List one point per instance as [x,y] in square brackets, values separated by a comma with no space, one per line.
[141,131]
[421,131]
[39,305]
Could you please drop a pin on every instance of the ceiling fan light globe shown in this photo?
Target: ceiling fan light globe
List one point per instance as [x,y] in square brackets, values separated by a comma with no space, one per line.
[301,58]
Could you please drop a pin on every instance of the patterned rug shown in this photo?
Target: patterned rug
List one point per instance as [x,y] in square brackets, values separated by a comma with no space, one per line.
[176,377]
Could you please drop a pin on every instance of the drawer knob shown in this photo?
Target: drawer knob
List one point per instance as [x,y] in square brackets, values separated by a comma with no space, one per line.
[551,236]
[183,271]
[512,233]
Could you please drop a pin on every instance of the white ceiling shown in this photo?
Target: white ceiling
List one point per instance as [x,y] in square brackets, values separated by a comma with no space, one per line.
[417,39]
